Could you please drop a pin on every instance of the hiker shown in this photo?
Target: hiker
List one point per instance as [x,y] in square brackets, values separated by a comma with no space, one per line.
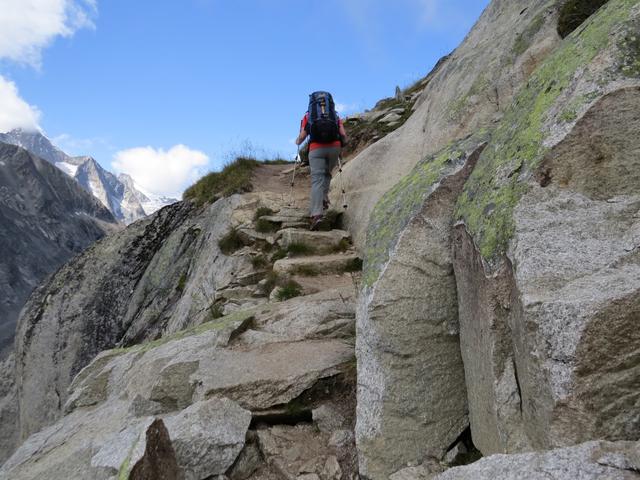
[327,133]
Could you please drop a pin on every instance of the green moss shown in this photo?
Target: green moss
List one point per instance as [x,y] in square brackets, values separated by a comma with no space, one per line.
[523,41]
[495,187]
[568,115]
[219,324]
[399,205]
[630,48]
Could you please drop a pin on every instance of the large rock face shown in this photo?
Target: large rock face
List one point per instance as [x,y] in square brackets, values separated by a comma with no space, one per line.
[411,391]
[156,277]
[45,218]
[588,461]
[467,92]
[549,333]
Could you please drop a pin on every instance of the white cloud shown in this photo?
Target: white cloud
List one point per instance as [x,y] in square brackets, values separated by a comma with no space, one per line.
[159,171]
[346,108]
[28,26]
[80,146]
[14,111]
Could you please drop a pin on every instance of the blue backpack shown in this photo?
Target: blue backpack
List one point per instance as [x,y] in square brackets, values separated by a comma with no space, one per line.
[322,125]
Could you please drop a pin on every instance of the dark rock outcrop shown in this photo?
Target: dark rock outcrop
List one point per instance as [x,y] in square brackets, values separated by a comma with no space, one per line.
[45,218]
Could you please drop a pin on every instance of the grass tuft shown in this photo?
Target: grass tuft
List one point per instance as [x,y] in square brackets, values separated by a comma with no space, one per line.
[353,266]
[300,249]
[235,177]
[259,262]
[231,242]
[265,226]
[290,289]
[306,271]
[263,212]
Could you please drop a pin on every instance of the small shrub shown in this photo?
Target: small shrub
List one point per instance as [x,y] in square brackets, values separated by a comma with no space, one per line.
[231,242]
[300,249]
[265,226]
[342,246]
[289,290]
[259,261]
[332,219]
[574,12]
[278,255]
[235,177]
[307,271]
[182,282]
[263,212]
[216,311]
[354,265]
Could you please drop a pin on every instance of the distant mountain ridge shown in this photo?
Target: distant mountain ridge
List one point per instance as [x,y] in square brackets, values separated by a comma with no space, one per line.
[126,200]
[45,219]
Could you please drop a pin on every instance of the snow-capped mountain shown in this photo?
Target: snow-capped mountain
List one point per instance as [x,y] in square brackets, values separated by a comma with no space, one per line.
[126,200]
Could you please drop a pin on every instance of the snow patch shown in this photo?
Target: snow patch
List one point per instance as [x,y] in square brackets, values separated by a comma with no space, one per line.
[67,168]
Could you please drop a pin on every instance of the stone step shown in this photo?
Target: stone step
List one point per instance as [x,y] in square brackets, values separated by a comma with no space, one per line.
[316,265]
[319,241]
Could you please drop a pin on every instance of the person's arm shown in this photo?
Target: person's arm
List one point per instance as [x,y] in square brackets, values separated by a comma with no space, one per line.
[343,133]
[302,136]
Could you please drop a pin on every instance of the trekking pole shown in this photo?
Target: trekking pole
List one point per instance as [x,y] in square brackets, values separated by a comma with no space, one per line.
[293,179]
[344,194]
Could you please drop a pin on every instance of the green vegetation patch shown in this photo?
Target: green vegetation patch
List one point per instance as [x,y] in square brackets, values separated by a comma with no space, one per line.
[263,212]
[398,206]
[235,177]
[218,324]
[300,249]
[290,289]
[263,225]
[353,266]
[231,242]
[494,188]
[574,13]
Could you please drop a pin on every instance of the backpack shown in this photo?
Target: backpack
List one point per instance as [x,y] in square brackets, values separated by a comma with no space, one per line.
[323,124]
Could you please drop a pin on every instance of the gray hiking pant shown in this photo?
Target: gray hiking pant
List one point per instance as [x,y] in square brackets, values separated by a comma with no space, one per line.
[322,162]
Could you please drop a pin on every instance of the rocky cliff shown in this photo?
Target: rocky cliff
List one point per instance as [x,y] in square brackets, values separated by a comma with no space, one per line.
[45,219]
[495,315]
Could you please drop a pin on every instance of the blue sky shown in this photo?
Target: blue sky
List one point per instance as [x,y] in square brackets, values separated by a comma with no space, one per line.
[127,81]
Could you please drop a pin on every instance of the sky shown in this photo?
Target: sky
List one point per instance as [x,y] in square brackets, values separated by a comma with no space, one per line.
[167,90]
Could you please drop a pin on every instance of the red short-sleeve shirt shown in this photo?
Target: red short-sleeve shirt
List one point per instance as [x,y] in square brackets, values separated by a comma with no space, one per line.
[314,145]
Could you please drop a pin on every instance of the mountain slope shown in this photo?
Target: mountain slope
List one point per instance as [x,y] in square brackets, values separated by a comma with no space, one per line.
[45,218]
[120,195]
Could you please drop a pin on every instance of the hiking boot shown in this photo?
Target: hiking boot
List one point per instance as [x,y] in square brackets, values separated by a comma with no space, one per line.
[316,221]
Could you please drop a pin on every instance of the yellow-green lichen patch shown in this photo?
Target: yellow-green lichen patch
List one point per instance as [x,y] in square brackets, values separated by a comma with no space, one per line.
[219,324]
[399,205]
[497,184]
